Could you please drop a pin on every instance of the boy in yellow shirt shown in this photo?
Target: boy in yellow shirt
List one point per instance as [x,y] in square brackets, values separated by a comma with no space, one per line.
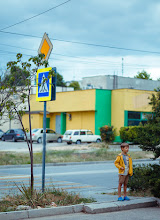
[124,164]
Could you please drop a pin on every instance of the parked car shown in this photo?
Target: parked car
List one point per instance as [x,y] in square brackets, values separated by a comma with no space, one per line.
[1,133]
[37,135]
[79,136]
[13,134]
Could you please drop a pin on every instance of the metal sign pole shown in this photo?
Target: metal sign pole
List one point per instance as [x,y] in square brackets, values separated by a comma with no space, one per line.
[44,147]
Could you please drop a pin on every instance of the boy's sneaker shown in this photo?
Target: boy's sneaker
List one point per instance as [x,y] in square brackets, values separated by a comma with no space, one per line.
[126,198]
[120,199]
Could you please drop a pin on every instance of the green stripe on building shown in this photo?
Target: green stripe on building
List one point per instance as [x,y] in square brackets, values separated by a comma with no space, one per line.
[63,122]
[102,109]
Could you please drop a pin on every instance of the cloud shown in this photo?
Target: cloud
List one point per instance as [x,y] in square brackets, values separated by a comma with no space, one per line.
[129,24]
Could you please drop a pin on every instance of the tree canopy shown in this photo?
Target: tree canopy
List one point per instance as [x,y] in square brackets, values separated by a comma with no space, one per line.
[143,75]
[75,85]
[17,76]
[149,137]
[60,80]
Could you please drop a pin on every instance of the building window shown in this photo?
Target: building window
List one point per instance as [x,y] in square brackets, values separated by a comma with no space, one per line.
[134,115]
[135,118]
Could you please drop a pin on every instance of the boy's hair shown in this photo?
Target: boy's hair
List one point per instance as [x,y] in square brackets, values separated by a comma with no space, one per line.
[124,145]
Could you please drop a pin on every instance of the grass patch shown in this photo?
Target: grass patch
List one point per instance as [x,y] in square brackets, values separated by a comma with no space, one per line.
[99,145]
[51,197]
[101,154]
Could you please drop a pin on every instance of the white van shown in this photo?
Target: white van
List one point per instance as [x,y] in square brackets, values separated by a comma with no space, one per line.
[78,136]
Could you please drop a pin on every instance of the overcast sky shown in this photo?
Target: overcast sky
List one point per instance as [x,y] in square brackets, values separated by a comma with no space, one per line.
[133,24]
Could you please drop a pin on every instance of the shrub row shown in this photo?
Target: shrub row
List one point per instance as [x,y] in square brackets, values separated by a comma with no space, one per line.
[130,134]
[146,177]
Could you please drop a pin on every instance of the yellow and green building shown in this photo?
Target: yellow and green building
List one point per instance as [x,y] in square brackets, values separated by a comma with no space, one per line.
[91,109]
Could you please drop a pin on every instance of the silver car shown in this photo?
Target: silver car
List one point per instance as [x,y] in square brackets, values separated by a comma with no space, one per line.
[37,135]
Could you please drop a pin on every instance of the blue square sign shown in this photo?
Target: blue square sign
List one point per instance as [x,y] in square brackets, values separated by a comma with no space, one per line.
[44,85]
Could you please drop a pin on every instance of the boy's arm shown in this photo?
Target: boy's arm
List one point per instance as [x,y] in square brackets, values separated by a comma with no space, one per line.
[116,163]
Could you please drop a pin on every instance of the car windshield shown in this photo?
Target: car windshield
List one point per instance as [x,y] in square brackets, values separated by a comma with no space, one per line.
[68,133]
[34,130]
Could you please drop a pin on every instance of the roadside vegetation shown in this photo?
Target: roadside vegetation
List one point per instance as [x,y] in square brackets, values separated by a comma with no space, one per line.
[50,198]
[101,154]
[145,181]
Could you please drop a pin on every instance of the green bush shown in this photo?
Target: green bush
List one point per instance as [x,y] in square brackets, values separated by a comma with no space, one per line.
[131,134]
[155,190]
[107,133]
[149,138]
[146,177]
[124,134]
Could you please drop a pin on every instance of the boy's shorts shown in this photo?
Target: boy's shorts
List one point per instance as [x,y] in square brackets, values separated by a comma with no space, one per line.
[123,179]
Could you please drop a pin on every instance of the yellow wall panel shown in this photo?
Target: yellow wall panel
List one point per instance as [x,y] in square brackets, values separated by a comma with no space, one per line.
[25,121]
[52,121]
[83,100]
[81,120]
[36,121]
[128,100]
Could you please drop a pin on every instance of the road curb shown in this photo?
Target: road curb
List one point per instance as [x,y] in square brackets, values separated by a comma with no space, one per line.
[70,163]
[119,206]
[92,208]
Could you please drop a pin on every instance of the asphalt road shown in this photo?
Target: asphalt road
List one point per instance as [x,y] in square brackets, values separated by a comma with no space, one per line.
[89,180]
[139,214]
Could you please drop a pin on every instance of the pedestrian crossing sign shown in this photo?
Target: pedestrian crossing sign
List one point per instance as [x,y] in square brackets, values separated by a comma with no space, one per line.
[44,85]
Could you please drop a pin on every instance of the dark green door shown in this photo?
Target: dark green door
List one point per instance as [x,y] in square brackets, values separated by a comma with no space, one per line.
[47,122]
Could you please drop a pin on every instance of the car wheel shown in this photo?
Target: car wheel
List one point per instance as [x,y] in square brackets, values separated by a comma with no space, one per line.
[69,143]
[3,139]
[39,140]
[98,140]
[59,140]
[78,142]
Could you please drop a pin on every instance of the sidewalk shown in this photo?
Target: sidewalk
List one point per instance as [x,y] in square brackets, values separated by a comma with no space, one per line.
[93,208]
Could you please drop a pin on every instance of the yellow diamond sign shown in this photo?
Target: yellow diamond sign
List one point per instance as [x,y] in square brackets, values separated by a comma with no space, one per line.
[45,47]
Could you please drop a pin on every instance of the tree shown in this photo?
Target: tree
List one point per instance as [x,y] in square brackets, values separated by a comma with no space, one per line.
[75,85]
[60,80]
[149,136]
[143,75]
[16,75]
[24,72]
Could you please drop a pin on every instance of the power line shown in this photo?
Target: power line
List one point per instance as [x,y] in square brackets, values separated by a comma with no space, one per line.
[108,67]
[77,57]
[8,45]
[84,43]
[81,59]
[35,15]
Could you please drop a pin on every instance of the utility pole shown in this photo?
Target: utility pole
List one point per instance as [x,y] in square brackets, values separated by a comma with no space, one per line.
[122,66]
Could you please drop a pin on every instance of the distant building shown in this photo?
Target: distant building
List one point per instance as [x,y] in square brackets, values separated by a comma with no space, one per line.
[118,82]
[92,109]
[58,89]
